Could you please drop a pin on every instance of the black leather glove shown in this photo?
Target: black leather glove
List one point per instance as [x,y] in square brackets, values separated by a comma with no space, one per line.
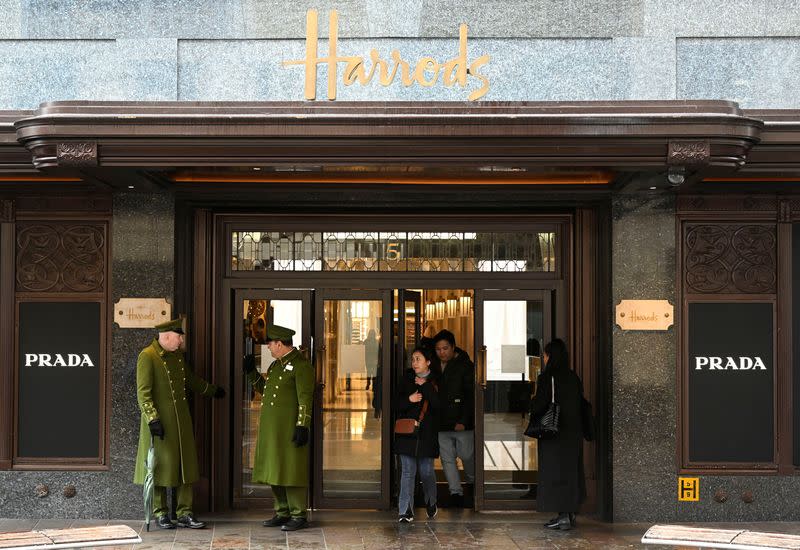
[156,429]
[249,364]
[300,436]
[219,393]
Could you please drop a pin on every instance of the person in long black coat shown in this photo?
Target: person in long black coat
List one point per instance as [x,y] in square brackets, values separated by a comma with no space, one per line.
[562,484]
[417,452]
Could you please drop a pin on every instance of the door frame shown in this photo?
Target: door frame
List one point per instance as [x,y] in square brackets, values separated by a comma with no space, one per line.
[481,296]
[385,296]
[204,287]
[239,295]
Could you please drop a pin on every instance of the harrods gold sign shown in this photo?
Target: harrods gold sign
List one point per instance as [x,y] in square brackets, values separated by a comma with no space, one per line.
[425,72]
[645,314]
[141,312]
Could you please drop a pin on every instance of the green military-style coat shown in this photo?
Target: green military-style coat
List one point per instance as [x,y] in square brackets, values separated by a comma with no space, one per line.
[287,398]
[162,379]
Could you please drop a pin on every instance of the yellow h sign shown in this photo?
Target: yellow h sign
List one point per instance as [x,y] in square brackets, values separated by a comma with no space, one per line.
[689,489]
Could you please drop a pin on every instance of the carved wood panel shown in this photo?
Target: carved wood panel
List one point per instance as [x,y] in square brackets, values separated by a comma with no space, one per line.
[61,257]
[730,258]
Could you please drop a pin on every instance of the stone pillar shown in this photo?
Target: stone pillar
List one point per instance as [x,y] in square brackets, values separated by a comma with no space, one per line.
[143,266]
[644,391]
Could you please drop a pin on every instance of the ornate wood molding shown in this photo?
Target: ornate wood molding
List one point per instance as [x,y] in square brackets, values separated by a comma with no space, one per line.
[61,257]
[689,153]
[754,204]
[730,258]
[77,154]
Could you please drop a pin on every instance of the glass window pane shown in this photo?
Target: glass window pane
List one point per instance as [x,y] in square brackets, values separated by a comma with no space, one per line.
[513,331]
[350,251]
[351,438]
[394,251]
[308,251]
[256,315]
[518,252]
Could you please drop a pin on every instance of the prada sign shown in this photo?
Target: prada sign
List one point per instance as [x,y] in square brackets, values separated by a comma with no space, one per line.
[731,382]
[59,372]
[58,360]
[729,363]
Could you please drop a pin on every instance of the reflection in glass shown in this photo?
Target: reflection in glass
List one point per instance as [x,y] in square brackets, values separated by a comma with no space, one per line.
[351,439]
[513,332]
[257,314]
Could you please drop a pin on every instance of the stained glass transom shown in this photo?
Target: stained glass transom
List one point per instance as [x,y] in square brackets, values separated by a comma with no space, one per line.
[386,251]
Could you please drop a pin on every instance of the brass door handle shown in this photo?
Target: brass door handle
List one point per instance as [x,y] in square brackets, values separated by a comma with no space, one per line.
[482,367]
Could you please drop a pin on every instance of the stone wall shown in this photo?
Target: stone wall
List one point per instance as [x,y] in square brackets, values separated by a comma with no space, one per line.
[643,414]
[645,471]
[142,241]
[230,50]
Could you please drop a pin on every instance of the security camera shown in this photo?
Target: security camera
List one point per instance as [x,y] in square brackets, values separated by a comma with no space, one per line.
[676,175]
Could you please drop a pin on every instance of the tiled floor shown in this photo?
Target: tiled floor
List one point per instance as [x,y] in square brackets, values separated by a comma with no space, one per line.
[379,531]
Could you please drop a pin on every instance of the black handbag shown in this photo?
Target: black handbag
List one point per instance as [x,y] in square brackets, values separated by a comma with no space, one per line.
[545,426]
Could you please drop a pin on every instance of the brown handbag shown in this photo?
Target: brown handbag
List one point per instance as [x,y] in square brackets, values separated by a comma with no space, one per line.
[410,426]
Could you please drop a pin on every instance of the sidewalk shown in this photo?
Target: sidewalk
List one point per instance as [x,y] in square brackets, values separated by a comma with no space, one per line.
[370,530]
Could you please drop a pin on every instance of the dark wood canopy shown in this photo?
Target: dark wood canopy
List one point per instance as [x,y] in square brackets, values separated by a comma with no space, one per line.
[701,139]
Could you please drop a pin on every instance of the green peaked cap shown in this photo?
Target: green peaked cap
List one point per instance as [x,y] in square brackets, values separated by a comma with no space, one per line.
[175,325]
[277,332]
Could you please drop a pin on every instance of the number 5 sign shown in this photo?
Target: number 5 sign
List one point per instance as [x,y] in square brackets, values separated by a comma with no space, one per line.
[393,251]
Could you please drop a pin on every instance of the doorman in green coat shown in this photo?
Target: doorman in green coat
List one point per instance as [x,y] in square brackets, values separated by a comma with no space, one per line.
[281,459]
[162,378]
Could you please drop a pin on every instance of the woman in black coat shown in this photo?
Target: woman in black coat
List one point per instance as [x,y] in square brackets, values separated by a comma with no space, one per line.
[562,485]
[416,452]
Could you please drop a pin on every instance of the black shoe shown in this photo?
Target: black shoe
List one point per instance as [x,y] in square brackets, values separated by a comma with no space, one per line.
[406,518]
[456,501]
[572,520]
[276,521]
[294,524]
[164,522]
[432,510]
[188,521]
[561,522]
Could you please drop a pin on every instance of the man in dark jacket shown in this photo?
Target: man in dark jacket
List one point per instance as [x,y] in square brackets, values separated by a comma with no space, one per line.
[456,374]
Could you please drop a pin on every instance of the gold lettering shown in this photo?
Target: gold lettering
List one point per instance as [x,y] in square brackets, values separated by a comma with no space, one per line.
[332,61]
[354,70]
[383,75]
[425,73]
[457,65]
[424,65]
[405,71]
[480,92]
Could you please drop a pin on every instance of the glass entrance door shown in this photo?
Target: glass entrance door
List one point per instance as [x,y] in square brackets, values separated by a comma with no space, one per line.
[510,329]
[351,424]
[254,310]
